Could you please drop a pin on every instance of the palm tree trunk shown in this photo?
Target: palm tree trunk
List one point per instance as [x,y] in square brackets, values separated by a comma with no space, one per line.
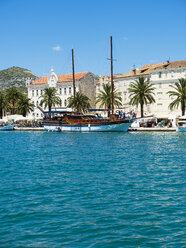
[141,110]
[49,109]
[1,113]
[183,108]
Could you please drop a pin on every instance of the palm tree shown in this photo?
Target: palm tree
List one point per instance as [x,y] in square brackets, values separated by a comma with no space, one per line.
[105,97]
[180,94]
[141,93]
[25,106]
[82,102]
[3,104]
[12,96]
[50,98]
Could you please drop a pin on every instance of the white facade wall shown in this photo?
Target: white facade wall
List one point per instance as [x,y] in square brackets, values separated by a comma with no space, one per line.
[161,79]
[35,91]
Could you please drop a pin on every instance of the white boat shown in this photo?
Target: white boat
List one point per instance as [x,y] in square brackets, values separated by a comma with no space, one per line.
[74,122]
[181,124]
[6,127]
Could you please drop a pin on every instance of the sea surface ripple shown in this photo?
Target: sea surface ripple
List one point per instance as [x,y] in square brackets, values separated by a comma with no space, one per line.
[92,190]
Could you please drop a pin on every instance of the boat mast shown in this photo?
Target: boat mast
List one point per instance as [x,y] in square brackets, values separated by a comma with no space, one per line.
[112,82]
[73,75]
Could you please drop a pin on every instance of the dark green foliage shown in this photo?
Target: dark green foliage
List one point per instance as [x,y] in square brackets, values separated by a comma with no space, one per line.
[15,102]
[50,98]
[179,93]
[105,97]
[24,105]
[13,95]
[141,93]
[82,102]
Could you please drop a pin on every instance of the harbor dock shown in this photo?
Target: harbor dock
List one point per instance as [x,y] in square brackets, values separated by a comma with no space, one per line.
[136,129]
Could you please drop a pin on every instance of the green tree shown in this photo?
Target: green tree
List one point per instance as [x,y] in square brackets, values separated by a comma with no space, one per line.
[50,98]
[13,95]
[3,104]
[82,102]
[141,93]
[25,106]
[180,93]
[105,97]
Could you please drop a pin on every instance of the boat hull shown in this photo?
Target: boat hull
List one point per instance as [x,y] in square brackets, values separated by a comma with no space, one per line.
[119,127]
[181,129]
[7,128]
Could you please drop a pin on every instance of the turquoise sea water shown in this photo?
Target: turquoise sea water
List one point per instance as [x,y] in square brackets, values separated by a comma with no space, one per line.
[92,190]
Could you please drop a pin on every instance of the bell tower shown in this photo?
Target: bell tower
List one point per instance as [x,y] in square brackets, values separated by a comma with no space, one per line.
[52,79]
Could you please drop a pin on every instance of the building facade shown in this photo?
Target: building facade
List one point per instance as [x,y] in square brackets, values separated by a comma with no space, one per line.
[161,75]
[84,81]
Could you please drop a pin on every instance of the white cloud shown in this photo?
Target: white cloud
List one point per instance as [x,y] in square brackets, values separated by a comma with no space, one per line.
[57,48]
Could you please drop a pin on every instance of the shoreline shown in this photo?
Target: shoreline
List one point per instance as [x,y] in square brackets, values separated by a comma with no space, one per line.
[137,129]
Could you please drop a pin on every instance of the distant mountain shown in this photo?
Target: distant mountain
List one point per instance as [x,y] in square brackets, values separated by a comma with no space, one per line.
[15,77]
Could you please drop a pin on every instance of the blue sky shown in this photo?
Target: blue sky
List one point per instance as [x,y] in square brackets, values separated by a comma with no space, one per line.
[38,34]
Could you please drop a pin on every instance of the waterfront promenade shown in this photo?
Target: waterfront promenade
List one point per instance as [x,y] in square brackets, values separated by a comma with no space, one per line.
[138,129]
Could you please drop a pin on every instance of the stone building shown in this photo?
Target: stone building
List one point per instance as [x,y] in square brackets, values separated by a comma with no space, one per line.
[85,83]
[161,75]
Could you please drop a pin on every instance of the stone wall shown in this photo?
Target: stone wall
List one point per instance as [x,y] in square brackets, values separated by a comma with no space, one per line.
[88,87]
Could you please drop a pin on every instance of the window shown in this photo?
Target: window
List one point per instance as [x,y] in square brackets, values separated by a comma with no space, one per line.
[148,107]
[37,103]
[70,90]
[159,94]
[32,92]
[65,91]
[159,107]
[60,91]
[159,74]
[36,92]
[37,114]
[65,103]
[124,95]
[33,114]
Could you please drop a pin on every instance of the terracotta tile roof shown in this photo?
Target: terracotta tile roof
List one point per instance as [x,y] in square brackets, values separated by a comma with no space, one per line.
[69,78]
[42,80]
[61,78]
[173,64]
[146,69]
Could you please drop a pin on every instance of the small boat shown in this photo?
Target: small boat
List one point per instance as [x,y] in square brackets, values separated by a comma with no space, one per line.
[181,124]
[6,127]
[63,121]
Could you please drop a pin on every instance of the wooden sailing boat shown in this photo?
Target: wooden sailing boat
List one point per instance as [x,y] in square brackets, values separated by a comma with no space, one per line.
[63,121]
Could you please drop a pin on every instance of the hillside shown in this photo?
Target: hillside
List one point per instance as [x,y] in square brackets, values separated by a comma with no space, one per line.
[15,77]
